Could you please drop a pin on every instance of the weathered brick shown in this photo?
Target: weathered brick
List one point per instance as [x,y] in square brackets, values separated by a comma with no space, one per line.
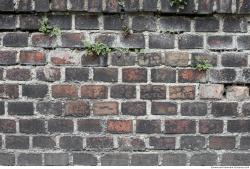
[76,108]
[131,5]
[234,60]
[94,92]
[106,38]
[42,40]
[92,60]
[64,91]
[175,24]
[211,58]
[90,125]
[32,58]
[237,93]
[65,57]
[7,5]
[134,108]
[72,40]
[16,39]
[243,42]
[164,108]
[210,126]
[246,109]
[153,92]
[131,144]
[59,5]
[211,91]
[144,23]
[245,143]
[105,108]
[243,7]
[166,7]
[25,6]
[48,74]
[180,126]
[17,142]
[163,75]
[30,22]
[224,6]
[235,24]
[182,92]
[2,109]
[119,126]
[192,142]
[117,159]
[222,75]
[191,76]
[123,91]
[88,22]
[144,159]
[32,126]
[222,142]
[42,6]
[205,6]
[235,159]
[238,126]
[204,159]
[99,143]
[7,126]
[84,159]
[106,74]
[73,143]
[150,59]
[30,159]
[76,74]
[9,91]
[134,75]
[61,21]
[193,109]
[56,159]
[149,5]
[35,91]
[161,41]
[246,75]
[20,108]
[220,42]
[220,109]
[135,40]
[77,5]
[18,74]
[60,125]
[176,59]
[44,142]
[190,41]
[174,159]
[7,159]
[49,108]
[8,57]
[8,22]
[123,59]
[148,126]
[162,143]
[94,6]
[112,6]
[113,22]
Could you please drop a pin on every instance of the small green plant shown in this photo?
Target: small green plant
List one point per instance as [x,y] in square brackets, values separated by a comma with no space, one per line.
[97,48]
[126,31]
[47,29]
[202,65]
[121,3]
[179,4]
[124,50]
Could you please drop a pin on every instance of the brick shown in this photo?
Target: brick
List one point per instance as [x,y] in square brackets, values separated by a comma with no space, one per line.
[99,143]
[72,40]
[204,159]
[131,5]
[9,91]
[42,40]
[32,58]
[144,159]
[237,93]
[105,108]
[234,60]
[174,159]
[133,108]
[60,125]
[16,39]
[235,159]
[49,108]
[191,76]
[113,22]
[30,159]
[161,41]
[86,22]
[192,142]
[1,73]
[106,74]
[58,5]
[148,126]
[84,159]
[7,159]
[189,8]
[123,91]
[77,5]
[193,109]
[149,59]
[117,159]
[134,75]
[65,57]
[25,6]
[245,143]
[246,75]
[224,6]
[164,108]
[211,58]
[144,23]
[48,74]
[2,111]
[131,144]
[180,126]
[91,60]
[44,142]
[220,109]
[106,38]
[41,6]
[220,42]
[149,5]
[119,126]
[17,142]
[29,22]
[205,6]
[20,108]
[222,75]
[64,91]
[162,143]
[90,125]
[153,92]
[94,92]
[235,24]
[7,126]
[175,24]
[8,22]
[238,126]
[32,126]
[208,24]
[190,41]
[94,6]
[76,108]
[221,142]
[112,6]
[73,143]
[211,91]
[176,59]
[18,74]
[8,57]
[243,42]
[242,7]
[166,7]
[56,159]
[76,74]
[246,109]
[182,92]
[35,91]
[163,75]
[123,59]
[210,126]
[7,5]
[61,21]
[135,40]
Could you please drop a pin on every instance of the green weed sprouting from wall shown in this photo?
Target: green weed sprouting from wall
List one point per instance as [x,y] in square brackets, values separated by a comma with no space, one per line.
[48,29]
[179,4]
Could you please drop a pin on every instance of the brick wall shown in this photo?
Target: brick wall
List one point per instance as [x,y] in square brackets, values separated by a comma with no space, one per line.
[61,106]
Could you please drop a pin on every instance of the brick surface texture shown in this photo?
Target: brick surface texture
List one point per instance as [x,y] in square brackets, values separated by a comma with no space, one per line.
[146,105]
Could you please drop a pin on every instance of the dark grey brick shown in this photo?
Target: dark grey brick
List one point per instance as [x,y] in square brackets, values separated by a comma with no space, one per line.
[113,22]
[131,5]
[29,159]
[32,126]
[7,22]
[192,142]
[144,160]
[175,24]
[44,142]
[188,41]
[161,41]
[56,159]
[2,111]
[245,143]
[24,6]
[222,75]
[49,108]
[172,159]
[204,159]
[123,59]
[84,159]
[149,5]
[206,24]
[35,91]
[235,24]
[163,75]
[234,60]
[219,42]
[71,143]
[20,108]
[144,23]
[60,21]
[42,6]
[135,40]
[76,74]
[193,109]
[7,159]
[235,159]
[243,42]
[86,22]
[17,142]
[7,5]
[16,39]
[115,159]
[30,22]
[220,109]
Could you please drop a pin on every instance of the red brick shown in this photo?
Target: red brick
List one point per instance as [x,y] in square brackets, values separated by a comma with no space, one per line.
[105,108]
[9,91]
[64,91]
[210,126]
[32,58]
[77,108]
[221,142]
[64,58]
[94,92]
[133,75]
[42,40]
[18,74]
[182,92]
[119,126]
[180,126]
[191,76]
